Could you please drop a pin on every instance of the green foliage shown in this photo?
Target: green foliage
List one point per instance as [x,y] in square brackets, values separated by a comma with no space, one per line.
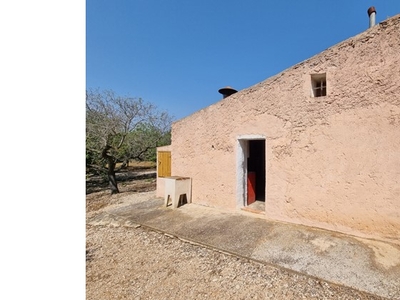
[142,142]
[130,127]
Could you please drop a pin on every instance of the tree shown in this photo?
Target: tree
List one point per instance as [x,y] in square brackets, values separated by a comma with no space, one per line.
[119,129]
[140,142]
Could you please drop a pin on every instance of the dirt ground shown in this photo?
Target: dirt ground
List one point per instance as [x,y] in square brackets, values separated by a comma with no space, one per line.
[136,263]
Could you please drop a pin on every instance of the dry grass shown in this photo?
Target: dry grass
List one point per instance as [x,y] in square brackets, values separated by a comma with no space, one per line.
[137,178]
[100,199]
[133,164]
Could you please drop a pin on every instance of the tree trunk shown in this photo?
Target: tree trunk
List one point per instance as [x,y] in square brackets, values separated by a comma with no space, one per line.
[111,177]
[111,171]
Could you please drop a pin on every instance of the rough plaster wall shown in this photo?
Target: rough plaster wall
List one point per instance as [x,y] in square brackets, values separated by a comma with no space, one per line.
[205,157]
[332,161]
[355,186]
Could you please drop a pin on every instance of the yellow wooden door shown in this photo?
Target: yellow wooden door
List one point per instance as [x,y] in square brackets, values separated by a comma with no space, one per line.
[164,163]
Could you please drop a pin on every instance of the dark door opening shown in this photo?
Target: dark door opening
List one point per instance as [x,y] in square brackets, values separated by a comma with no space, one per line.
[256,167]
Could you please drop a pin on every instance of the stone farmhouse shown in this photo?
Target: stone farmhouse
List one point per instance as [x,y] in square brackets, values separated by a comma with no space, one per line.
[317,144]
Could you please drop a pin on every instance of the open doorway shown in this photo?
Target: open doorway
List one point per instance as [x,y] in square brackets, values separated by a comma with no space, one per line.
[256,168]
[251,173]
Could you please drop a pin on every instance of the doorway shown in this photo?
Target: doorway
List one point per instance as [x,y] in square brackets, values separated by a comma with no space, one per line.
[256,169]
[251,172]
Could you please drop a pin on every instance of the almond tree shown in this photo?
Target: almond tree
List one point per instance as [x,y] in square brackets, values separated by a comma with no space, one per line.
[112,126]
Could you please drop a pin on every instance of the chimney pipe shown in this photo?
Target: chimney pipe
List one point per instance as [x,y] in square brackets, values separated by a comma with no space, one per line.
[371,14]
[227,91]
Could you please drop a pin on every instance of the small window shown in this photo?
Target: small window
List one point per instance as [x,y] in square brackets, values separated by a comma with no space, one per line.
[318,83]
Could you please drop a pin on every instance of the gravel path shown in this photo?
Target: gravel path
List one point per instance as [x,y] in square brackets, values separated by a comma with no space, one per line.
[136,263]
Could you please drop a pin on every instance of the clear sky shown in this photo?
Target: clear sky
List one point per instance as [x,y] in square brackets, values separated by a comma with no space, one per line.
[178,53]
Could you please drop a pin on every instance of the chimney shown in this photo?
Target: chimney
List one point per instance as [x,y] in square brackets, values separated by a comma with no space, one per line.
[371,14]
[227,91]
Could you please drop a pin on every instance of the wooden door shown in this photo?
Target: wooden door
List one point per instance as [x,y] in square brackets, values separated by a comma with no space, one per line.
[164,164]
[251,188]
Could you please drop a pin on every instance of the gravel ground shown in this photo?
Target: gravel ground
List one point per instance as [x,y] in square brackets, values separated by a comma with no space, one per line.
[137,263]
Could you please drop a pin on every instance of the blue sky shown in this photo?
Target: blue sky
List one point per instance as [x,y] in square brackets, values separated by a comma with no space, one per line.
[178,53]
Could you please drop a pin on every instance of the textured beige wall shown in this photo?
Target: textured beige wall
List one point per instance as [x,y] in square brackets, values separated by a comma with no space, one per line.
[332,162]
